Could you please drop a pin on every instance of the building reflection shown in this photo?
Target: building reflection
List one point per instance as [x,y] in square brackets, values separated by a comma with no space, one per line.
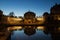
[29,31]
[55,33]
[40,27]
[14,28]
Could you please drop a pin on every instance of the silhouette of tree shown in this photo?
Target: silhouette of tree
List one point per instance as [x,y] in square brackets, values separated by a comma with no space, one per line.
[11,14]
[1,12]
[46,14]
[1,20]
[46,17]
[1,15]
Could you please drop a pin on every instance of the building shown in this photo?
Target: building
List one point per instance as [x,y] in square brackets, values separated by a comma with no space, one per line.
[40,20]
[11,20]
[55,12]
[29,17]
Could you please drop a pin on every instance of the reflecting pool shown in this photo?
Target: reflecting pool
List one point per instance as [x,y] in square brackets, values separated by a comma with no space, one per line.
[29,33]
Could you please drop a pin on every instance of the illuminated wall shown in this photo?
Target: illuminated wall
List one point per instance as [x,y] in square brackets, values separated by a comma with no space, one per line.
[11,20]
[40,20]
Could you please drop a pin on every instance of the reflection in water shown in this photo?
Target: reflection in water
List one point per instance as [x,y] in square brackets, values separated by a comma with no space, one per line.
[40,28]
[54,31]
[14,28]
[30,33]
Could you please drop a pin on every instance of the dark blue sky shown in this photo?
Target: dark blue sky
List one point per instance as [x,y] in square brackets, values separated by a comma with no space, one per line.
[19,7]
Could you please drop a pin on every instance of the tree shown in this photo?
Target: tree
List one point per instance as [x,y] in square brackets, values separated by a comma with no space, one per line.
[11,14]
[1,12]
[46,14]
[46,17]
[1,15]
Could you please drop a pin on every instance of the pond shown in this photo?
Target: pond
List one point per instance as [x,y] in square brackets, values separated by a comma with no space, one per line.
[30,34]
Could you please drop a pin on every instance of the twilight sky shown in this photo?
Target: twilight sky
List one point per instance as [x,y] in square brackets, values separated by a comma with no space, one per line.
[19,7]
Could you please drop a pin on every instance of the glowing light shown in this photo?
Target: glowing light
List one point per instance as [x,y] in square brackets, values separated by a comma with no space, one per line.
[14,20]
[40,27]
[59,18]
[59,28]
[29,26]
[14,28]
[40,18]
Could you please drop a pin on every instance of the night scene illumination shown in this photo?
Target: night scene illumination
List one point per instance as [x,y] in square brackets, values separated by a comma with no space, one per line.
[29,19]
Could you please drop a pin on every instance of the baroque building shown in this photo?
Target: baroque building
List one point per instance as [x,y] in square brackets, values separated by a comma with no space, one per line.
[53,16]
[29,17]
[55,12]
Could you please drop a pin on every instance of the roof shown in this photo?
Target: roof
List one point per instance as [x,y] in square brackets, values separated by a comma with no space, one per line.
[29,12]
[56,6]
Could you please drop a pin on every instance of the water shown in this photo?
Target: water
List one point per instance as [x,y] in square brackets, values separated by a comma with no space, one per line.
[34,33]
[39,35]
[30,34]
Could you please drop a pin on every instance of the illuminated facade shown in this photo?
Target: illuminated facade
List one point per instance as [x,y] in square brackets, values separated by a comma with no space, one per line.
[29,18]
[11,20]
[54,15]
[40,20]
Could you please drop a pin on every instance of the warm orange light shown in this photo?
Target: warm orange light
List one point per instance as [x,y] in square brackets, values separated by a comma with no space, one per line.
[14,27]
[14,20]
[59,28]
[40,27]
[40,19]
[59,18]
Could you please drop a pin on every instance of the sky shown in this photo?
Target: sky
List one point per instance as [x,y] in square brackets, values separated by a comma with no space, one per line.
[19,7]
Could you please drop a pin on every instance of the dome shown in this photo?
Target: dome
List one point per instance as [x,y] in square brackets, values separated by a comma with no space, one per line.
[29,15]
